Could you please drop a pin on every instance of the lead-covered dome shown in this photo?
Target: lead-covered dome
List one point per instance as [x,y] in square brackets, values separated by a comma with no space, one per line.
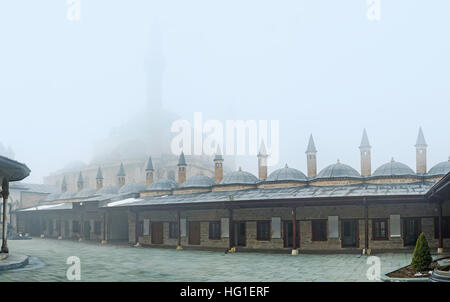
[163,185]
[68,195]
[440,168]
[198,181]
[86,192]
[132,188]
[393,168]
[239,177]
[52,197]
[287,174]
[108,190]
[338,170]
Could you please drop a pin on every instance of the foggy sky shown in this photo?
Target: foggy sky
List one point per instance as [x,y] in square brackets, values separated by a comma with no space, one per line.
[318,67]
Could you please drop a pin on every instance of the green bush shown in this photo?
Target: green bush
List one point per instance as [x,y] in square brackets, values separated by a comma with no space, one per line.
[422,257]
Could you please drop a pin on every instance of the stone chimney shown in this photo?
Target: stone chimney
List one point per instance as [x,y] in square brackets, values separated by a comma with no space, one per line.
[311,160]
[64,185]
[80,182]
[121,176]
[181,169]
[218,166]
[149,172]
[366,165]
[262,161]
[421,153]
[99,179]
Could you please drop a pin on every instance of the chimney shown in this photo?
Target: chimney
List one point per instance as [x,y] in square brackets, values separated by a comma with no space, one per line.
[311,160]
[121,176]
[366,166]
[80,182]
[218,166]
[421,153]
[149,172]
[99,179]
[262,161]
[181,169]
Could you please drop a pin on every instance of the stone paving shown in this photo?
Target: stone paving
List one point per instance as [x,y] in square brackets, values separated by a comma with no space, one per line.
[124,263]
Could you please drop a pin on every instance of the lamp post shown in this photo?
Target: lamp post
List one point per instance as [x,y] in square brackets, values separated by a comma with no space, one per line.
[5,195]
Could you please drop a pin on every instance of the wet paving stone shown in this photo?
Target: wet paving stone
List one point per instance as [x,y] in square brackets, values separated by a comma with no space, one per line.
[123,263]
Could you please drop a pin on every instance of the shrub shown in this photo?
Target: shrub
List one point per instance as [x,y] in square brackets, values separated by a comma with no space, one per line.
[422,257]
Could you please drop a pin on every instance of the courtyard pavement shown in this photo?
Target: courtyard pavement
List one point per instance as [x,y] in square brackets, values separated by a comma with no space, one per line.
[123,263]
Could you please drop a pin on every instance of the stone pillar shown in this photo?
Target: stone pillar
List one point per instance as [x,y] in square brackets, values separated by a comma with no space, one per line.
[104,240]
[5,195]
[136,228]
[179,247]
[294,232]
[441,240]
[230,229]
[366,229]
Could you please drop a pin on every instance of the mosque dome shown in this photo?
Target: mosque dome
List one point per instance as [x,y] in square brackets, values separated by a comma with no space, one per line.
[198,181]
[287,174]
[393,168]
[163,185]
[132,188]
[86,192]
[239,177]
[68,195]
[338,170]
[440,168]
[108,190]
[52,197]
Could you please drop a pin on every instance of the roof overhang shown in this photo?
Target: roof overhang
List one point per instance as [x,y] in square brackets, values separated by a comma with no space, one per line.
[13,170]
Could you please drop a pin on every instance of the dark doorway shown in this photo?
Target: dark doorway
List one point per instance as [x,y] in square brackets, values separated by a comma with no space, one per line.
[87,230]
[287,234]
[350,233]
[411,229]
[157,233]
[239,234]
[194,232]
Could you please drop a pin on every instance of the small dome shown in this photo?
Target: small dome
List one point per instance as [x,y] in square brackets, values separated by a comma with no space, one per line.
[163,185]
[239,177]
[393,168]
[108,190]
[440,169]
[198,181]
[132,188]
[53,196]
[68,195]
[86,192]
[338,170]
[286,174]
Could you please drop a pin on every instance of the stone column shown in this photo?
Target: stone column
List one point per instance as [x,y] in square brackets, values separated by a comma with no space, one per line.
[179,247]
[104,240]
[294,232]
[230,229]
[136,228]
[5,195]
[441,241]
[366,229]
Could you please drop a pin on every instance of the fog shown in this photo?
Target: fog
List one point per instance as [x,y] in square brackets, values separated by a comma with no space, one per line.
[75,90]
